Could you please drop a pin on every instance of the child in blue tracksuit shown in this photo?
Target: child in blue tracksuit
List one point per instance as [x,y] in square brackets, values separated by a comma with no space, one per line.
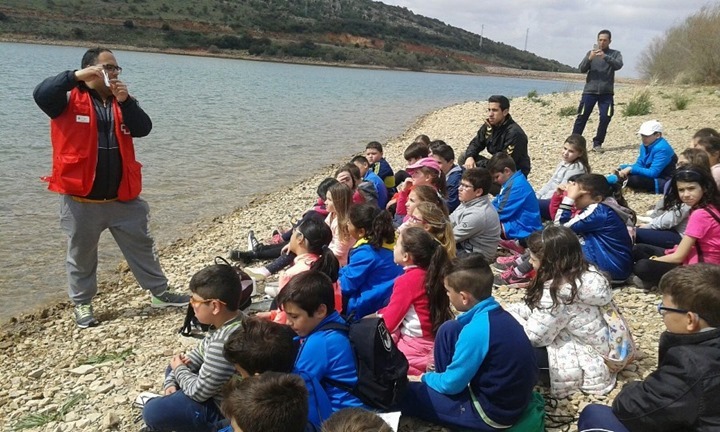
[655,164]
[380,166]
[603,234]
[485,366]
[368,175]
[516,203]
[366,281]
[325,356]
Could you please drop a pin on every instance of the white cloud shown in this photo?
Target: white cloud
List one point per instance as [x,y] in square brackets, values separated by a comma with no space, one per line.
[563,29]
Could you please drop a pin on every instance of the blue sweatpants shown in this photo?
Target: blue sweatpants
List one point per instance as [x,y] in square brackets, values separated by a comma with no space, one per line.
[599,418]
[425,403]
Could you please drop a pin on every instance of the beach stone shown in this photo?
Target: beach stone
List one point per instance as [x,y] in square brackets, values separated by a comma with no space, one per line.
[71,417]
[83,370]
[37,373]
[110,420]
[82,423]
[103,388]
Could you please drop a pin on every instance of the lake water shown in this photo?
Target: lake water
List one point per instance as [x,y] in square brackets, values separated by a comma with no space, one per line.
[223,131]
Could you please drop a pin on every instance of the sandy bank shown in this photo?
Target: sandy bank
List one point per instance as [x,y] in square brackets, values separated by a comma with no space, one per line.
[37,351]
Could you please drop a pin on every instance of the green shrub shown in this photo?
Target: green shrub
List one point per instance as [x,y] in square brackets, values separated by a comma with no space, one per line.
[680,101]
[638,105]
[567,111]
[532,94]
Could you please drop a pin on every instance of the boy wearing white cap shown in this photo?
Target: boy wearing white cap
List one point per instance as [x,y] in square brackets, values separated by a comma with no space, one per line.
[654,165]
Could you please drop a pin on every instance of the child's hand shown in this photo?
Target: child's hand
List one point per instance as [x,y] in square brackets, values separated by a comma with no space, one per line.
[264,315]
[285,249]
[179,360]
[415,378]
[574,191]
[170,390]
[561,188]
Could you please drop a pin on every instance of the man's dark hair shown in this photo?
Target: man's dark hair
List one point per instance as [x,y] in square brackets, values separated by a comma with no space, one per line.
[90,57]
[443,150]
[594,184]
[416,150]
[360,158]
[694,288]
[261,346]
[605,31]
[308,290]
[500,99]
[499,161]
[270,402]
[470,273]
[375,146]
[218,282]
[478,178]
[355,420]
[706,132]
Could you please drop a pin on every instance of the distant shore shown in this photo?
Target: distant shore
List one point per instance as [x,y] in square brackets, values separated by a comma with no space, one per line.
[490,70]
[38,350]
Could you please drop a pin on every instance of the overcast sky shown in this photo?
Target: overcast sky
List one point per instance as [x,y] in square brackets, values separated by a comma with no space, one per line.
[563,29]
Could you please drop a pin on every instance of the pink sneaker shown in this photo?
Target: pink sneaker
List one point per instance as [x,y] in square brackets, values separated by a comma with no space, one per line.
[512,245]
[511,280]
[502,263]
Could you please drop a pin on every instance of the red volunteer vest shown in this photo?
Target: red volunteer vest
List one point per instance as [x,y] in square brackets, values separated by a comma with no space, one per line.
[74,136]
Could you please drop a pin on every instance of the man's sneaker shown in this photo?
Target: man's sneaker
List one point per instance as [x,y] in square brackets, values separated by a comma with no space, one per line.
[244,256]
[598,149]
[512,245]
[84,316]
[503,263]
[511,280]
[169,299]
[253,243]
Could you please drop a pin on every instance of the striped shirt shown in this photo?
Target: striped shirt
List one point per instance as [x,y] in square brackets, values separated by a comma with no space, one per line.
[208,371]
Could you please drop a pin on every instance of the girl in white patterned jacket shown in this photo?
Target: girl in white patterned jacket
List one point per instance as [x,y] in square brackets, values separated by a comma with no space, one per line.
[562,316]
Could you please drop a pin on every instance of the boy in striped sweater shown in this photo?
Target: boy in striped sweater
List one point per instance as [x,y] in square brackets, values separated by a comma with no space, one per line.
[194,381]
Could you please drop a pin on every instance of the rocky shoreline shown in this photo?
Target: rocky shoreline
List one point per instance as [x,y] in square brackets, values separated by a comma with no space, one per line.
[40,352]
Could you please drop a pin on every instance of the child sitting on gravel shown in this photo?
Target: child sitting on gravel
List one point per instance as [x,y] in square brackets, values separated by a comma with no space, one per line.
[683,393]
[485,367]
[381,167]
[271,402]
[263,347]
[369,176]
[193,382]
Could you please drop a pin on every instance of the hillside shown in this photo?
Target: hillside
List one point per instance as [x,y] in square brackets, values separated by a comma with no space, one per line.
[360,32]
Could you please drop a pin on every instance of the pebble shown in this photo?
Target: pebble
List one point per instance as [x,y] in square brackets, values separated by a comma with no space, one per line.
[128,321]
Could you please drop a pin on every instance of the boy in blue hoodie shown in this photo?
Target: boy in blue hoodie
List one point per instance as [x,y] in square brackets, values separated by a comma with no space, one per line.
[655,164]
[603,233]
[516,203]
[485,366]
[380,166]
[325,356]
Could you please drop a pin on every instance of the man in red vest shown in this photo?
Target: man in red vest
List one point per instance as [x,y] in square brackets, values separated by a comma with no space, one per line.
[93,120]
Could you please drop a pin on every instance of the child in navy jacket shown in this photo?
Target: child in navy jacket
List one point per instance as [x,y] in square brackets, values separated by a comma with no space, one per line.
[485,366]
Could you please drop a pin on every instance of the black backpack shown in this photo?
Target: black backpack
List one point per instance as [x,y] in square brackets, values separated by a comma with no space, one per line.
[247,285]
[382,368]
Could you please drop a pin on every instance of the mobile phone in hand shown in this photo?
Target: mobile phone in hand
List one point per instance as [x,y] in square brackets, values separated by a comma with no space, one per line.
[106,78]
[595,47]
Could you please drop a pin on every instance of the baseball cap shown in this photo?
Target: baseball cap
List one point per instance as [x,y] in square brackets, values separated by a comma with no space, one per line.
[424,162]
[650,127]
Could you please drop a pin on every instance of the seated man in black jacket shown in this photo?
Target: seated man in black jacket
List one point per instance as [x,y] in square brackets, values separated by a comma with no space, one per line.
[499,133]
[683,393]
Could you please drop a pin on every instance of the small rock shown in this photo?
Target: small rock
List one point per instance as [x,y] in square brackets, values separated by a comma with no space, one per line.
[83,370]
[111,420]
[145,385]
[82,423]
[93,417]
[71,417]
[37,373]
[103,388]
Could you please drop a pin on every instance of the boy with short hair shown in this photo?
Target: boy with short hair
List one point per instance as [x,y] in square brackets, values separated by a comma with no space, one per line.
[325,355]
[445,156]
[271,402]
[193,382]
[369,176]
[265,346]
[476,225]
[603,233]
[683,393]
[414,152]
[355,420]
[516,203]
[485,366]
[380,166]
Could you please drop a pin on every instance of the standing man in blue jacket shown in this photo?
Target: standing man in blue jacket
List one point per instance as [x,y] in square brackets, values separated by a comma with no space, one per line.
[600,65]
